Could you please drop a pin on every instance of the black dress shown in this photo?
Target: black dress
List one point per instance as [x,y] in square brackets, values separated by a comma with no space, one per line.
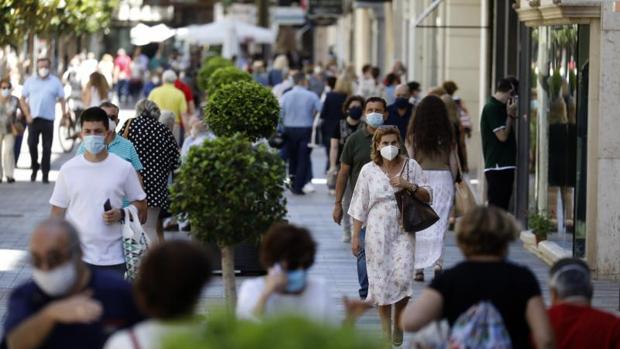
[159,154]
[331,113]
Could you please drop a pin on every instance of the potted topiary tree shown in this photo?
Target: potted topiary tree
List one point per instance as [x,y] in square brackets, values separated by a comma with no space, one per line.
[224,76]
[243,107]
[232,192]
[541,226]
[209,66]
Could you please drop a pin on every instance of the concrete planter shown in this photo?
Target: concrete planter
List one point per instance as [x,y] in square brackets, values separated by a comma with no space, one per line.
[546,250]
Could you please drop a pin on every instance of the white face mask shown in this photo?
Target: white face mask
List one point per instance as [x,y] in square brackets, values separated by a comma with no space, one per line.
[44,72]
[6,92]
[389,152]
[58,281]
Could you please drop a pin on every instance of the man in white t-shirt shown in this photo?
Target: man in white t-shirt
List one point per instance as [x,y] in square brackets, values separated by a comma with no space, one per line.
[84,186]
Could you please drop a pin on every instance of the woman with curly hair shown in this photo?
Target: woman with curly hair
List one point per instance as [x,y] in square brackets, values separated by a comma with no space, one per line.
[430,141]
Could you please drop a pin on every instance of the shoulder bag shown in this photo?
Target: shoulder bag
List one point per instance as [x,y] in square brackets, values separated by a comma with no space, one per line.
[464,199]
[415,214]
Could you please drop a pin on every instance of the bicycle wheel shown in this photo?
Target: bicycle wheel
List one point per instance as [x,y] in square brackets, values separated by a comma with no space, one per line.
[66,138]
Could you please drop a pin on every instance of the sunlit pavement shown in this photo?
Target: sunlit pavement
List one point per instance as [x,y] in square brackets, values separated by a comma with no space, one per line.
[23,204]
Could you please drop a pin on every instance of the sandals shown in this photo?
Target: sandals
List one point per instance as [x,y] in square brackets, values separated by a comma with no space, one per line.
[419,276]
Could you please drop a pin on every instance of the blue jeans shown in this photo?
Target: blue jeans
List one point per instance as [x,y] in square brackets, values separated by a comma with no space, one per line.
[362,276]
[118,269]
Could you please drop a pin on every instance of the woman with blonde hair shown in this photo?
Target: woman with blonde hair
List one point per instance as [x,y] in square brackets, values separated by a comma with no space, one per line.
[96,91]
[389,249]
[483,236]
[331,113]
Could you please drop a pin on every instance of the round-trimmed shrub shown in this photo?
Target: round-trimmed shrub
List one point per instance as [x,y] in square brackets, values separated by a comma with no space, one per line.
[209,67]
[243,107]
[224,76]
[231,190]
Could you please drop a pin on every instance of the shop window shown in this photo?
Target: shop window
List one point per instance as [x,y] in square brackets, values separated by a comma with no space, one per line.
[557,130]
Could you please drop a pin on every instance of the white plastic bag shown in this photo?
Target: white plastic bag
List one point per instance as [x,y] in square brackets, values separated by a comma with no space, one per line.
[135,242]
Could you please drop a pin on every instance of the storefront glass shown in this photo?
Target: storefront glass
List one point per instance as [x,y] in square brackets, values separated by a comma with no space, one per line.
[558,123]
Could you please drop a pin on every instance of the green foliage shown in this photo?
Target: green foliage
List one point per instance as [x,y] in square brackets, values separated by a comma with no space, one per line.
[224,76]
[275,333]
[209,66]
[231,190]
[18,18]
[243,107]
[541,225]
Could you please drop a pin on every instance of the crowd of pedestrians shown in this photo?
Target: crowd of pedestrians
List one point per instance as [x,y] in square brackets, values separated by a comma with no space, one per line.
[381,138]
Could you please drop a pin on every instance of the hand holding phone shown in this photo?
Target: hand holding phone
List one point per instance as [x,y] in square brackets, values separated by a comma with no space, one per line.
[107,206]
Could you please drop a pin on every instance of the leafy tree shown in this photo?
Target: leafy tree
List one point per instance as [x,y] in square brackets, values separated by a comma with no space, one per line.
[224,76]
[243,107]
[209,66]
[232,192]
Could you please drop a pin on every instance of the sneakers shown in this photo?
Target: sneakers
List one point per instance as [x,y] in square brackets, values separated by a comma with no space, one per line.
[308,188]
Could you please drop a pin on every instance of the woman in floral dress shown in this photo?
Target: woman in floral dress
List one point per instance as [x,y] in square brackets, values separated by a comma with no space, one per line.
[389,250]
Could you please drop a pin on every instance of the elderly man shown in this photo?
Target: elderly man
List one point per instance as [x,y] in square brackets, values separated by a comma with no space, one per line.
[400,111]
[575,323]
[66,304]
[168,97]
[39,96]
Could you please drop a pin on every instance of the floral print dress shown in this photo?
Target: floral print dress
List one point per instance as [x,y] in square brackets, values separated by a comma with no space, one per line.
[389,250]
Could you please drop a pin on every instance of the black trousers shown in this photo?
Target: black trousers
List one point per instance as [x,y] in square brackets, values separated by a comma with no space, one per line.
[45,129]
[299,165]
[499,187]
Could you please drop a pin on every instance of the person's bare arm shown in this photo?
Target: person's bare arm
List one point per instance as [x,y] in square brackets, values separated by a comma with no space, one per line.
[31,333]
[355,236]
[142,209]
[191,108]
[333,153]
[63,105]
[503,133]
[424,310]
[25,109]
[58,211]
[86,96]
[538,321]
[341,184]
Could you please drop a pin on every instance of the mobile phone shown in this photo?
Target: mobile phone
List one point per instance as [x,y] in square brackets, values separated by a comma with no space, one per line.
[107,206]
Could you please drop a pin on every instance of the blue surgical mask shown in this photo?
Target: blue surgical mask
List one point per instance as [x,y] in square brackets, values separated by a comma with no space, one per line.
[295,280]
[94,144]
[374,119]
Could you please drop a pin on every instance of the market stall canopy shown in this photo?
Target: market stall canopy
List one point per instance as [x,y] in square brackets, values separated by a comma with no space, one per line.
[227,32]
[142,34]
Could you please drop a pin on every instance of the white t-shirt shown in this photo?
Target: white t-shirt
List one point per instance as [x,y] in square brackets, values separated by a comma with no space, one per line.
[149,334]
[82,188]
[315,302]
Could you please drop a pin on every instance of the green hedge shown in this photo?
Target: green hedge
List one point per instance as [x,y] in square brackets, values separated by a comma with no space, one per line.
[224,76]
[209,66]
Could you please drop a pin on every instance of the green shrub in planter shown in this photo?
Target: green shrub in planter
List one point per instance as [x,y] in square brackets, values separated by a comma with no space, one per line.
[275,333]
[209,66]
[232,192]
[224,76]
[243,107]
[541,226]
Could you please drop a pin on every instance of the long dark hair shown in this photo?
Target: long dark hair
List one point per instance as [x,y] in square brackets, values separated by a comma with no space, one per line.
[429,130]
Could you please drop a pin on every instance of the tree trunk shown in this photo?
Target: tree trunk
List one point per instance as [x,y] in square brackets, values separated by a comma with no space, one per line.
[228,274]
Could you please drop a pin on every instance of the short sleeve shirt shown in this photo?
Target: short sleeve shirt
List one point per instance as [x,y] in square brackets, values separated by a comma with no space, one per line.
[356,152]
[115,179]
[114,294]
[507,286]
[395,119]
[42,95]
[167,97]
[497,155]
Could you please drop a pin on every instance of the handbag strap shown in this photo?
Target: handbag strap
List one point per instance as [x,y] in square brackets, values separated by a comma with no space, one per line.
[134,339]
[126,132]
[459,170]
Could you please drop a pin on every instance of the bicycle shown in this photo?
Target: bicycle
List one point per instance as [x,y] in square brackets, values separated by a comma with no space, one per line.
[68,130]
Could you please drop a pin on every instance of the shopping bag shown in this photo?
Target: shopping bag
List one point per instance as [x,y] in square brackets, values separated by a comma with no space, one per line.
[135,242]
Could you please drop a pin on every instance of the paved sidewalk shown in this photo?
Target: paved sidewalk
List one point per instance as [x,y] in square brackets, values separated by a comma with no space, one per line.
[23,204]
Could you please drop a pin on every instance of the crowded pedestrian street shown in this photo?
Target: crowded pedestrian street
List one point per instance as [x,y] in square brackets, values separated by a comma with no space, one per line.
[342,174]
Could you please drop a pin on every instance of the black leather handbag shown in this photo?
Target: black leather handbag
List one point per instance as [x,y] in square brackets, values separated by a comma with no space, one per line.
[415,215]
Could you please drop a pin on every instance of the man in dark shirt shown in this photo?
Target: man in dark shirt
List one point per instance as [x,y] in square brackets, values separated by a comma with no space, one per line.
[400,112]
[575,323]
[499,143]
[66,305]
[356,154]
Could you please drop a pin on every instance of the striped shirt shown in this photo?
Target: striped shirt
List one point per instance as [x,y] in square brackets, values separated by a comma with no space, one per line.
[122,148]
